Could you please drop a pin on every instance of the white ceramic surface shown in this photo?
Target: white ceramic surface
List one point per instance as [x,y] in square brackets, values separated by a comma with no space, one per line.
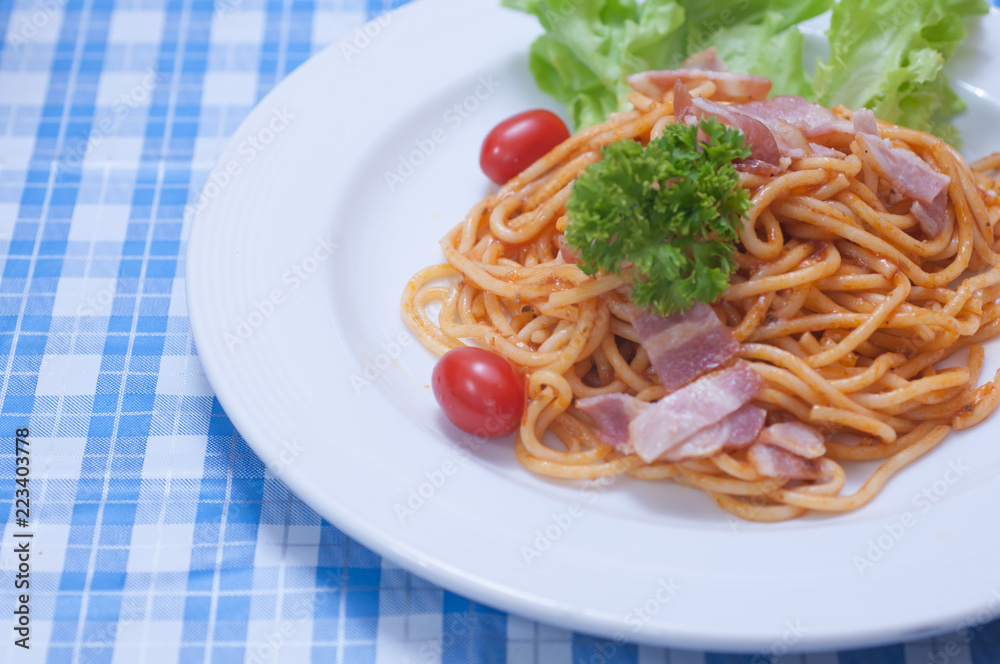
[303,342]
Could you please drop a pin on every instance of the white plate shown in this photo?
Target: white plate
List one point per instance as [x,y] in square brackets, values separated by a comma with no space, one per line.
[308,168]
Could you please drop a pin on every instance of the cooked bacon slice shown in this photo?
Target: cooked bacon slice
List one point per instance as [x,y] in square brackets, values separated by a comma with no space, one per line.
[824,151]
[568,253]
[679,415]
[813,120]
[763,147]
[729,86]
[683,346]
[913,177]
[791,141]
[682,101]
[908,174]
[612,414]
[756,166]
[864,122]
[799,439]
[707,60]
[932,217]
[732,432]
[771,461]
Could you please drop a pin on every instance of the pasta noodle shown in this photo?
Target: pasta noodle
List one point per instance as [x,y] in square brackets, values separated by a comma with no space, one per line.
[842,306]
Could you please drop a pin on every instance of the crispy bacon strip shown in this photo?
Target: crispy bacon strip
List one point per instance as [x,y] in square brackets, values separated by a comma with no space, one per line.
[677,416]
[683,346]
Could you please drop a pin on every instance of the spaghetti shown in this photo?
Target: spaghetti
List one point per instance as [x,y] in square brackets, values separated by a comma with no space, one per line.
[842,306]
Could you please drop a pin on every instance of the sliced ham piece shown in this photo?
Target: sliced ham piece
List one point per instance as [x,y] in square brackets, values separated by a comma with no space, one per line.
[679,415]
[799,439]
[731,433]
[683,346]
[756,166]
[864,122]
[932,217]
[813,120]
[792,143]
[771,461]
[729,86]
[707,60]
[568,253]
[913,177]
[763,147]
[824,151]
[793,122]
[612,413]
[908,174]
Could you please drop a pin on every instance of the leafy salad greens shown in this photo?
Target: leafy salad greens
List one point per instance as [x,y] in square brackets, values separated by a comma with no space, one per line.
[886,55]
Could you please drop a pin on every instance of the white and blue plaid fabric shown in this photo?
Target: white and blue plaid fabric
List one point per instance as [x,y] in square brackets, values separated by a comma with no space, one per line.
[159,535]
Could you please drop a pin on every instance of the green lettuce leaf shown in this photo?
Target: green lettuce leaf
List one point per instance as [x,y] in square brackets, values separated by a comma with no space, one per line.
[888,55]
[768,50]
[757,37]
[591,46]
[707,18]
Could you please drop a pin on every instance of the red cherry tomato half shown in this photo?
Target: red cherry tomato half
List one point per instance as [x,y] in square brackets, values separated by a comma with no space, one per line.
[480,392]
[520,141]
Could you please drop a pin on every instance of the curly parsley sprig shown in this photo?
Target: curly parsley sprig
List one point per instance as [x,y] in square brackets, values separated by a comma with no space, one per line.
[671,209]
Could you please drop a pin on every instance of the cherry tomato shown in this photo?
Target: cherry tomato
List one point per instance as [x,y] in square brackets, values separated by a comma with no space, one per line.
[520,141]
[480,392]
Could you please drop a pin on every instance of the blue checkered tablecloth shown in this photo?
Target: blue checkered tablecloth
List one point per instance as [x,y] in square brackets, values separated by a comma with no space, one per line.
[158,535]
